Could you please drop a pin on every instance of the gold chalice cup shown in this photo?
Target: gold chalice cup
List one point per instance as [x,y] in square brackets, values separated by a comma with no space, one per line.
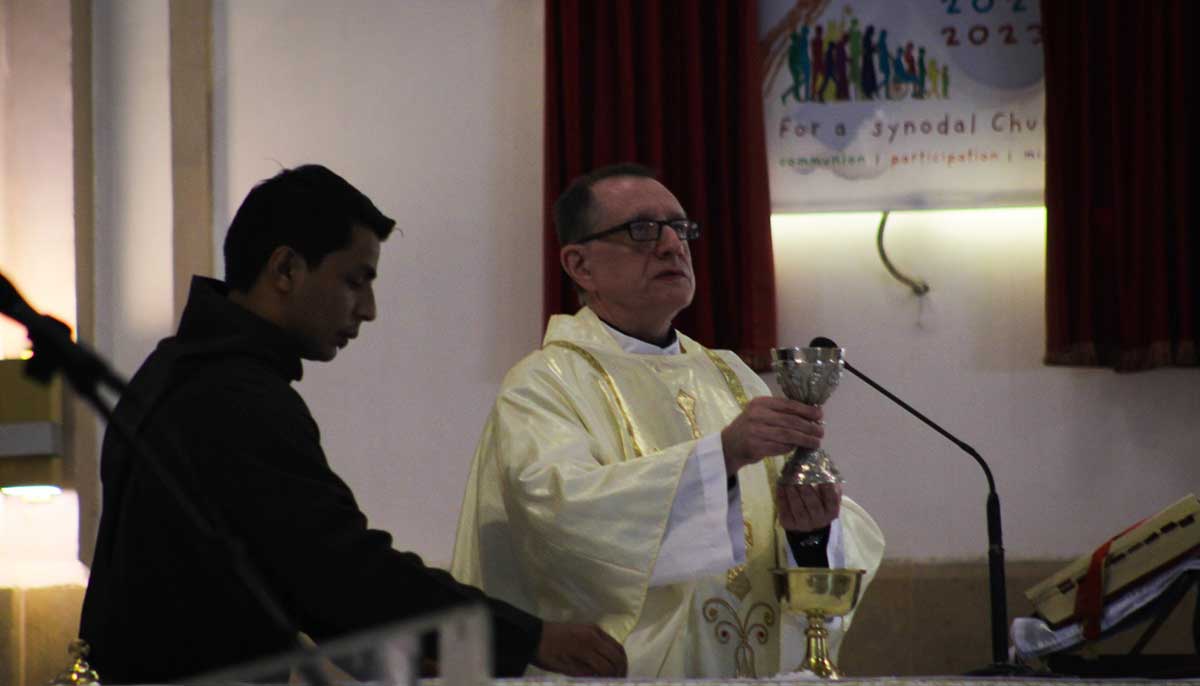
[819,594]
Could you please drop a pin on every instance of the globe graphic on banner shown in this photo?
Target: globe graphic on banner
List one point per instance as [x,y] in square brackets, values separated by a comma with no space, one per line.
[983,48]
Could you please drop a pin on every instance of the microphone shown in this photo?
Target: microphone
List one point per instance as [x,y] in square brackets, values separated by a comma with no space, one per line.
[53,348]
[12,304]
[996,581]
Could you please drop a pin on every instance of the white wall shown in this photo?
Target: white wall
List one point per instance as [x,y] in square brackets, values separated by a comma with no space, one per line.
[1078,454]
[433,109]
[131,119]
[37,225]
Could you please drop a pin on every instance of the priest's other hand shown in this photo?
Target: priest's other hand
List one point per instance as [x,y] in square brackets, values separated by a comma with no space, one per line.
[808,508]
[770,426]
[580,650]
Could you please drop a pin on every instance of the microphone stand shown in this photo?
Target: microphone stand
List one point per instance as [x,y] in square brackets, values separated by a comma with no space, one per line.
[996,582]
[54,351]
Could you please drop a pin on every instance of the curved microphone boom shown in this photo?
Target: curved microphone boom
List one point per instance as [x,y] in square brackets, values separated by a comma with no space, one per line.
[996,581]
[11,302]
[53,348]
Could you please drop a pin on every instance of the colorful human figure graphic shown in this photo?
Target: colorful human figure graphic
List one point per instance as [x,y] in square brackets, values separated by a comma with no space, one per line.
[830,70]
[841,74]
[799,65]
[839,60]
[885,64]
[898,74]
[867,85]
[834,30]
[854,55]
[921,73]
[818,63]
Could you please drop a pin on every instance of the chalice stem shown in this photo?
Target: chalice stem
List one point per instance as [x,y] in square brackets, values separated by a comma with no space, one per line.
[816,659]
[808,467]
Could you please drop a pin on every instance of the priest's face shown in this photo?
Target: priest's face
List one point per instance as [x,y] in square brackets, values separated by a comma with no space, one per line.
[331,300]
[638,286]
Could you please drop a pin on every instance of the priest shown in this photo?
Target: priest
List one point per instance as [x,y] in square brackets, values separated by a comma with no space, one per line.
[627,475]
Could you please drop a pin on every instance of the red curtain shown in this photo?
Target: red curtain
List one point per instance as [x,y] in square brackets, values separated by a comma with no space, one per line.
[1123,257]
[674,86]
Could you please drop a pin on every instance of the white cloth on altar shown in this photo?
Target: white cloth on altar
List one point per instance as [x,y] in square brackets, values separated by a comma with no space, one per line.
[1033,637]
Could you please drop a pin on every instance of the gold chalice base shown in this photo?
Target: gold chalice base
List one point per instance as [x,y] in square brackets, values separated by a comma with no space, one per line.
[818,593]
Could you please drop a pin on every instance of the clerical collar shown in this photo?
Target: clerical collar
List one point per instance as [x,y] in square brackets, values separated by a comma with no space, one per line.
[639,347]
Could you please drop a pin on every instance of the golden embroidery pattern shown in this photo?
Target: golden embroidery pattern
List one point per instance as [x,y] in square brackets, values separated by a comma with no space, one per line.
[612,387]
[736,580]
[731,379]
[687,403]
[744,629]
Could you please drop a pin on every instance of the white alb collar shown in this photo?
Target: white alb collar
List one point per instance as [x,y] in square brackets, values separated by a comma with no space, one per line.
[637,346]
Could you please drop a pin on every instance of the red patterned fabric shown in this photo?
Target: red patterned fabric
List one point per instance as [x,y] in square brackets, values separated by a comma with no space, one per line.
[1122,250]
[1089,598]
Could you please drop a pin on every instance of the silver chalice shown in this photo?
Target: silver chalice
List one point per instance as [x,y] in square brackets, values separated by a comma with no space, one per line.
[808,375]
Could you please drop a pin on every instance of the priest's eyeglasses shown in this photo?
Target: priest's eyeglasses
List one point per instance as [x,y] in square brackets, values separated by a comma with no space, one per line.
[649,230]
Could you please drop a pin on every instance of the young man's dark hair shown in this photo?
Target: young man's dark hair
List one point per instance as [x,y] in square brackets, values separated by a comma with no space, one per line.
[572,209]
[309,209]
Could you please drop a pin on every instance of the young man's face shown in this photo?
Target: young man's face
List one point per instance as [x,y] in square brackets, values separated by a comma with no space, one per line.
[330,302]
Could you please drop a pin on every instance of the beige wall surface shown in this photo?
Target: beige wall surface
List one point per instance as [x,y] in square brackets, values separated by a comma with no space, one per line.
[932,618]
[37,241]
[131,119]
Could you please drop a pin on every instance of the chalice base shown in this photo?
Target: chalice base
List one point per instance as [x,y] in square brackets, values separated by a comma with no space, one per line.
[816,657]
[808,468]
[818,593]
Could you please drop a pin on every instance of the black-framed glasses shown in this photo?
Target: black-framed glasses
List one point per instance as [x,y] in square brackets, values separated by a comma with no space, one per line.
[649,230]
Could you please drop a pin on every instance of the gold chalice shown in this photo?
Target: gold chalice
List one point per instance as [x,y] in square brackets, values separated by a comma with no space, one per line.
[819,593]
[80,672]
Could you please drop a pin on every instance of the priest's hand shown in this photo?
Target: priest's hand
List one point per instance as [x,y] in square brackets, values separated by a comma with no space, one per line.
[580,650]
[808,508]
[770,426]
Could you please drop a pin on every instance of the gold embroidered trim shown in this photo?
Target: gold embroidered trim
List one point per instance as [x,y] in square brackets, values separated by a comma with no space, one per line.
[731,379]
[612,386]
[741,628]
[687,403]
[736,580]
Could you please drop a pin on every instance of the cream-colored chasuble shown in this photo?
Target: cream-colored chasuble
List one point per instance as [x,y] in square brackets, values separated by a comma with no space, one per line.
[572,486]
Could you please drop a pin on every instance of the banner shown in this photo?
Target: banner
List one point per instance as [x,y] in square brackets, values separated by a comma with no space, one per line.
[903,104]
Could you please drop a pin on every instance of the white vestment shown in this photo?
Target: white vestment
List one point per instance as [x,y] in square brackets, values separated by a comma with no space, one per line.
[596,460]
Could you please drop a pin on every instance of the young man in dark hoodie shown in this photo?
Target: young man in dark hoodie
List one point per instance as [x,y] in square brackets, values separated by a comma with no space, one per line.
[216,406]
